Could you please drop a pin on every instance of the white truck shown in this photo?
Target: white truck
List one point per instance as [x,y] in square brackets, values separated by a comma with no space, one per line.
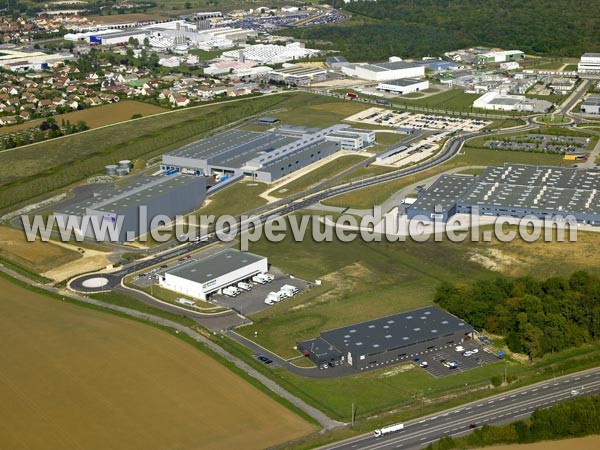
[275,296]
[244,286]
[289,290]
[258,279]
[266,276]
[230,292]
[388,430]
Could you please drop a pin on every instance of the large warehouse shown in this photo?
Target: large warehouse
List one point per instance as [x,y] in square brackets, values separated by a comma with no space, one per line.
[500,56]
[264,156]
[403,86]
[201,277]
[385,71]
[516,190]
[589,63]
[133,208]
[504,102]
[591,105]
[371,344]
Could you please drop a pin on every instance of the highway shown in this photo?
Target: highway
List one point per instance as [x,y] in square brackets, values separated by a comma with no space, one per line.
[506,407]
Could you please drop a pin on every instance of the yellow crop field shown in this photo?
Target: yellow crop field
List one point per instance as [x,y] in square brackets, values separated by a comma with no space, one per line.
[75,378]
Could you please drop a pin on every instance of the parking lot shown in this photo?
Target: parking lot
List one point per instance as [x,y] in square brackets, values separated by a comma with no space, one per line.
[250,302]
[436,359]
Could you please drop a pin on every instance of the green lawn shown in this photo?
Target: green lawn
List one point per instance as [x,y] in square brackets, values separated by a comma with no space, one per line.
[240,197]
[453,99]
[315,176]
[403,276]
[318,110]
[412,392]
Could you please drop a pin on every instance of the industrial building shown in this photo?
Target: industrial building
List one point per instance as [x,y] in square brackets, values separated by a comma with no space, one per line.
[589,63]
[336,62]
[500,57]
[515,190]
[387,340]
[385,71]
[270,53]
[504,102]
[133,208]
[297,75]
[404,86]
[591,105]
[199,278]
[352,139]
[264,156]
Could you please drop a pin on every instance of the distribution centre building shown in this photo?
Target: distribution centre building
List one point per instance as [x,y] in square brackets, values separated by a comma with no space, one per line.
[403,86]
[202,277]
[264,156]
[515,190]
[387,340]
[589,63]
[131,211]
[385,71]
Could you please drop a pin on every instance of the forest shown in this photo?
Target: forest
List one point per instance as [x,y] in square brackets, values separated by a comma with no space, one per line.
[410,28]
[536,317]
[574,418]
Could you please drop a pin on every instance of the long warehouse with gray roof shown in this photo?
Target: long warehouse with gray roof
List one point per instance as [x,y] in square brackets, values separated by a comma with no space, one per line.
[131,210]
[263,156]
[373,343]
[516,190]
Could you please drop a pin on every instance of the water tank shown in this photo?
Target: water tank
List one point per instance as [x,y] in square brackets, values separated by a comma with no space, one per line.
[111,169]
[125,164]
[122,172]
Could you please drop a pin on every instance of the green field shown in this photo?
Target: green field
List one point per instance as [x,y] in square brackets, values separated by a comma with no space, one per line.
[236,199]
[452,100]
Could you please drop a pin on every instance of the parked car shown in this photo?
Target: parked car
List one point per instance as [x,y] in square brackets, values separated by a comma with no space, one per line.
[459,348]
[424,364]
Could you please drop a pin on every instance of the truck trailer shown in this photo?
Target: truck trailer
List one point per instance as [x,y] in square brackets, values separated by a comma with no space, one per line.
[388,430]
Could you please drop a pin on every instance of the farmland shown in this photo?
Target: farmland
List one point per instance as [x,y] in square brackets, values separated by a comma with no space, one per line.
[73,373]
[98,116]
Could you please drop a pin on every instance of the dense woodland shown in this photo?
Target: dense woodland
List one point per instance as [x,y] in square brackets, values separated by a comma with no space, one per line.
[536,317]
[414,28]
[574,418]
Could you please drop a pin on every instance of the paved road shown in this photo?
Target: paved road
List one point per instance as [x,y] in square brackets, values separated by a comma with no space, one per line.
[503,408]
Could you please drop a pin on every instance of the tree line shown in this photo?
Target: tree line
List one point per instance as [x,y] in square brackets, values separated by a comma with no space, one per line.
[536,317]
[570,419]
[410,28]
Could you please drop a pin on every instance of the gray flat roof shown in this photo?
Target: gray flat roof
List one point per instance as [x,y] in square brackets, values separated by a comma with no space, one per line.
[396,331]
[444,192]
[565,190]
[114,200]
[233,148]
[404,82]
[386,66]
[559,189]
[213,266]
[592,55]
[142,194]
